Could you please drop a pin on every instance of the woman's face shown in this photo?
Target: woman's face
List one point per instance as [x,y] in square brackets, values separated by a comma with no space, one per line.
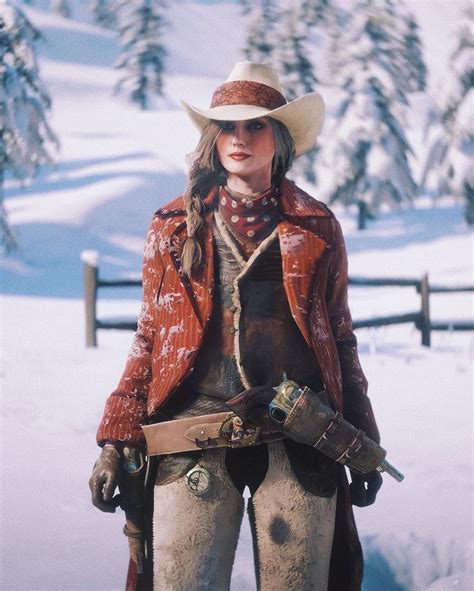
[246,148]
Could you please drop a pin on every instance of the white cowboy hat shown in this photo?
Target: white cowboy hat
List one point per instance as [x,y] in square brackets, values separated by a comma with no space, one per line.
[253,90]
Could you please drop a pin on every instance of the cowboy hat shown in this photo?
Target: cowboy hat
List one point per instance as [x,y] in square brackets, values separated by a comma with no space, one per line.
[253,90]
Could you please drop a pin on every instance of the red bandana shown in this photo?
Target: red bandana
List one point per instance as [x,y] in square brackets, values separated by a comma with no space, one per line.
[250,218]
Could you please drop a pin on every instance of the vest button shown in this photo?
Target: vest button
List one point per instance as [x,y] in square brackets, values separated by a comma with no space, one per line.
[233,330]
[233,309]
[231,289]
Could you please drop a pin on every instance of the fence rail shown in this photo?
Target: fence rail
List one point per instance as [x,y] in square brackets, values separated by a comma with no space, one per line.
[420,318]
[384,281]
[122,324]
[386,320]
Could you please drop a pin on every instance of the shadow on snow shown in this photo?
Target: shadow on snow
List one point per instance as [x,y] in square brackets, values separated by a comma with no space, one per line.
[47,263]
[393,230]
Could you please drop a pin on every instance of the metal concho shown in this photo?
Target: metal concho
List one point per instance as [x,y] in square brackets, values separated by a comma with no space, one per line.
[239,433]
[198,481]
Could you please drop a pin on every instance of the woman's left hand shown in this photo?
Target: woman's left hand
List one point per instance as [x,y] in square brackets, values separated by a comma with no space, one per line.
[364,488]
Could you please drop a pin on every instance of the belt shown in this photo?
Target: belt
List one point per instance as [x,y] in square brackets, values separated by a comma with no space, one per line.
[222,429]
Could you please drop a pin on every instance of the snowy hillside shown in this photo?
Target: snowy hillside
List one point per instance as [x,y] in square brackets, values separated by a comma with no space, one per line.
[116,166]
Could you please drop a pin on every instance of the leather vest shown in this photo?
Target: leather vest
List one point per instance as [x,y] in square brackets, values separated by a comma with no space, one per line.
[252,338]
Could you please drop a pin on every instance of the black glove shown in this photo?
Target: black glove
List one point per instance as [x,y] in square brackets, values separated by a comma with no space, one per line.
[104,479]
[364,488]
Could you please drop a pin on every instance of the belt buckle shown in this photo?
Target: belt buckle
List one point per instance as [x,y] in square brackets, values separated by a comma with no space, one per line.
[238,433]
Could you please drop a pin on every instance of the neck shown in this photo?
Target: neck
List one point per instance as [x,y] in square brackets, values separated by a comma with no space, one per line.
[248,186]
[245,196]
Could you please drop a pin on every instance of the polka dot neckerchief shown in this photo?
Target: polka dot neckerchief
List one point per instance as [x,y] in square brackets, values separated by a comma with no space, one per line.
[249,218]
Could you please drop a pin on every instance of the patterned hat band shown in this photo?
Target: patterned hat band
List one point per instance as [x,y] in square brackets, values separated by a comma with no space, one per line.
[245,92]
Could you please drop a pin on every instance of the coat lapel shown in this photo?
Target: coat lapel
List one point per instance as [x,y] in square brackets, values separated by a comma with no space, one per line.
[301,250]
[198,289]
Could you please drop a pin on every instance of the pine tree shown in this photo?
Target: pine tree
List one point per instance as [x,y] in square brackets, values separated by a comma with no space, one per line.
[448,165]
[291,56]
[105,13]
[408,59]
[25,135]
[366,151]
[296,71]
[143,53]
[263,15]
[415,64]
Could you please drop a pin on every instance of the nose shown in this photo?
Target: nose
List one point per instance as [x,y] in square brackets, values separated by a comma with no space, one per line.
[238,138]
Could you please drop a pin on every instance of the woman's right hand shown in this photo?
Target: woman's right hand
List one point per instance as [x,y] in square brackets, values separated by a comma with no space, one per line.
[104,479]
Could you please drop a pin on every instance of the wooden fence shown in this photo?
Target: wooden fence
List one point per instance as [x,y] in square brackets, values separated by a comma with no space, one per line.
[421,317]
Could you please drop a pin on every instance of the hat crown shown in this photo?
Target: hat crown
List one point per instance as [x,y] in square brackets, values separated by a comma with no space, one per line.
[256,72]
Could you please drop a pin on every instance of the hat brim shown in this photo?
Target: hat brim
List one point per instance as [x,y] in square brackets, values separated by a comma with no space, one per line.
[303,117]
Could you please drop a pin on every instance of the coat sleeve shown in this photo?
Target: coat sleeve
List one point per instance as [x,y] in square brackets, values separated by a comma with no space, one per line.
[126,407]
[357,407]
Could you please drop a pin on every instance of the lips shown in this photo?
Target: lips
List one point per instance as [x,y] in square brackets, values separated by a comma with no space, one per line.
[239,156]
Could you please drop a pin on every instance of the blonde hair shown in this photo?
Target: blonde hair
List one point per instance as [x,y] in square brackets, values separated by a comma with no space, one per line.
[205,171]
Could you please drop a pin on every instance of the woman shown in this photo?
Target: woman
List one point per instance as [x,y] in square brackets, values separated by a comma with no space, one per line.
[245,280]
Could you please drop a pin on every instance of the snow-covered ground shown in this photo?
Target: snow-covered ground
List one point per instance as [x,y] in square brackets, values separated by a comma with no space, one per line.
[116,166]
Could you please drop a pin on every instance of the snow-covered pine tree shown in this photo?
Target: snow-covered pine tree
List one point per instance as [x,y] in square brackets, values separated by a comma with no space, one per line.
[296,71]
[105,13]
[25,135]
[448,167]
[62,7]
[415,64]
[365,153]
[335,21]
[409,57]
[262,17]
[143,53]
[297,75]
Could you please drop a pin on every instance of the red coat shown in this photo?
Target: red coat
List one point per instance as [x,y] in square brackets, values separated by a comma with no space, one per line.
[176,310]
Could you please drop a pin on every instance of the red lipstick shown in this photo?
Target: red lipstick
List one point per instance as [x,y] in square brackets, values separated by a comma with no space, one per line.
[239,155]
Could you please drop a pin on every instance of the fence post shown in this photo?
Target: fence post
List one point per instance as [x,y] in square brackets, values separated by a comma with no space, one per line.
[90,259]
[425,321]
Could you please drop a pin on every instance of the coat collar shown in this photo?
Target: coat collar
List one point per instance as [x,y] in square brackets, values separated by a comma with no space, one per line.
[295,203]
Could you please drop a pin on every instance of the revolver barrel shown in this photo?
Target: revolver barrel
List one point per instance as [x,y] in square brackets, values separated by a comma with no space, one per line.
[386,466]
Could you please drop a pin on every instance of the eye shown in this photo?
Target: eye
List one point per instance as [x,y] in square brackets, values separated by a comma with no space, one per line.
[227,125]
[256,124]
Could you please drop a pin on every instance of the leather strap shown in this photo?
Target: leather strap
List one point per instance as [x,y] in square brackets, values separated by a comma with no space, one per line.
[195,433]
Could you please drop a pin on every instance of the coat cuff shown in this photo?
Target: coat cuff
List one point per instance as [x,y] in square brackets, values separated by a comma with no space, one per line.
[121,422]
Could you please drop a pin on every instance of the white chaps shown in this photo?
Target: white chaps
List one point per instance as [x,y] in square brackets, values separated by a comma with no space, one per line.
[195,538]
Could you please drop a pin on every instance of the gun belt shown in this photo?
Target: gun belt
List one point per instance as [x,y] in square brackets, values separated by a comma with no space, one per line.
[197,433]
